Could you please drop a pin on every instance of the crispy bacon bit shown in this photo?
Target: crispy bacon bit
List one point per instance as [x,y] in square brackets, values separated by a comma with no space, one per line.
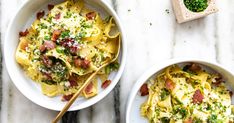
[90,15]
[194,67]
[57,16]
[67,97]
[144,90]
[73,49]
[190,120]
[49,45]
[197,97]
[72,80]
[106,84]
[89,88]
[85,64]
[67,42]
[71,44]
[170,85]
[40,14]
[42,48]
[25,33]
[56,34]
[48,76]
[46,61]
[77,62]
[50,6]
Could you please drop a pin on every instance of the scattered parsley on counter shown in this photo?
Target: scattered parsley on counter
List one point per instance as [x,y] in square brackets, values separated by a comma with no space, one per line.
[167,11]
[196,5]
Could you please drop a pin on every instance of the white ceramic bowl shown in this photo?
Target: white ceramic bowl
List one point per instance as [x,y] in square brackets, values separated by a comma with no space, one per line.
[22,20]
[135,100]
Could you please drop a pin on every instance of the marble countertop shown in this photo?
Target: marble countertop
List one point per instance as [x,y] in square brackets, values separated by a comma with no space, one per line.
[152,35]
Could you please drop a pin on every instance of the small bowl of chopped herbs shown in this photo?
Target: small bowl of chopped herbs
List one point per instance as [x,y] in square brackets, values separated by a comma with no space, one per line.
[187,10]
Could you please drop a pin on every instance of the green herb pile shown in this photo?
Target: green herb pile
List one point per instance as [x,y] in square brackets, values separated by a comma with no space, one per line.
[196,5]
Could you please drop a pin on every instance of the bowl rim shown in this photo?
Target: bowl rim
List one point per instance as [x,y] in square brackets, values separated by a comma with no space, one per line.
[106,7]
[156,68]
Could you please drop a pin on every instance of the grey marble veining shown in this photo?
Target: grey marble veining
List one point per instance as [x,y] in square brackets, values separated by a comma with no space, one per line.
[152,35]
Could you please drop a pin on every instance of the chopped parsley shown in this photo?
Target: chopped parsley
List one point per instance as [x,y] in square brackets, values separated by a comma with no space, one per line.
[42,26]
[65,34]
[165,120]
[111,67]
[47,37]
[82,34]
[196,5]
[167,11]
[164,94]
[68,15]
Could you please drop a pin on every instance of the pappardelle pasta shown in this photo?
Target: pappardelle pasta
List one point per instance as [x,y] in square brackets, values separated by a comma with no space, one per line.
[61,49]
[187,95]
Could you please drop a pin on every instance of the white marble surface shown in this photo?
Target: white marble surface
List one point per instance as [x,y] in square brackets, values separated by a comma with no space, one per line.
[152,36]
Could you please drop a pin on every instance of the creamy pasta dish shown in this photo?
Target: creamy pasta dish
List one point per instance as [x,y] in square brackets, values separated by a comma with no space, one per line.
[187,95]
[64,46]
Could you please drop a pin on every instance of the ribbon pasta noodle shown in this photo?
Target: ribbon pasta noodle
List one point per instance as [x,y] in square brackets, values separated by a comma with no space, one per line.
[188,95]
[60,50]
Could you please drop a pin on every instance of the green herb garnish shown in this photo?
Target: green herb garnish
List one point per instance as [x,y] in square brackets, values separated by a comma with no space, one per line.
[164,94]
[43,26]
[111,67]
[65,34]
[47,37]
[68,15]
[165,120]
[196,5]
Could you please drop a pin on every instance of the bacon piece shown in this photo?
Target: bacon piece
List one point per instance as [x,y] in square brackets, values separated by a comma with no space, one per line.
[67,97]
[197,97]
[77,62]
[89,88]
[50,6]
[73,49]
[190,120]
[49,45]
[57,16]
[40,14]
[25,33]
[194,67]
[72,80]
[48,76]
[46,61]
[42,48]
[71,44]
[85,64]
[144,90]
[56,34]
[169,84]
[90,15]
[106,84]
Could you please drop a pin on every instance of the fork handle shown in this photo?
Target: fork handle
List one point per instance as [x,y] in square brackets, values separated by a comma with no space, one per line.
[71,101]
